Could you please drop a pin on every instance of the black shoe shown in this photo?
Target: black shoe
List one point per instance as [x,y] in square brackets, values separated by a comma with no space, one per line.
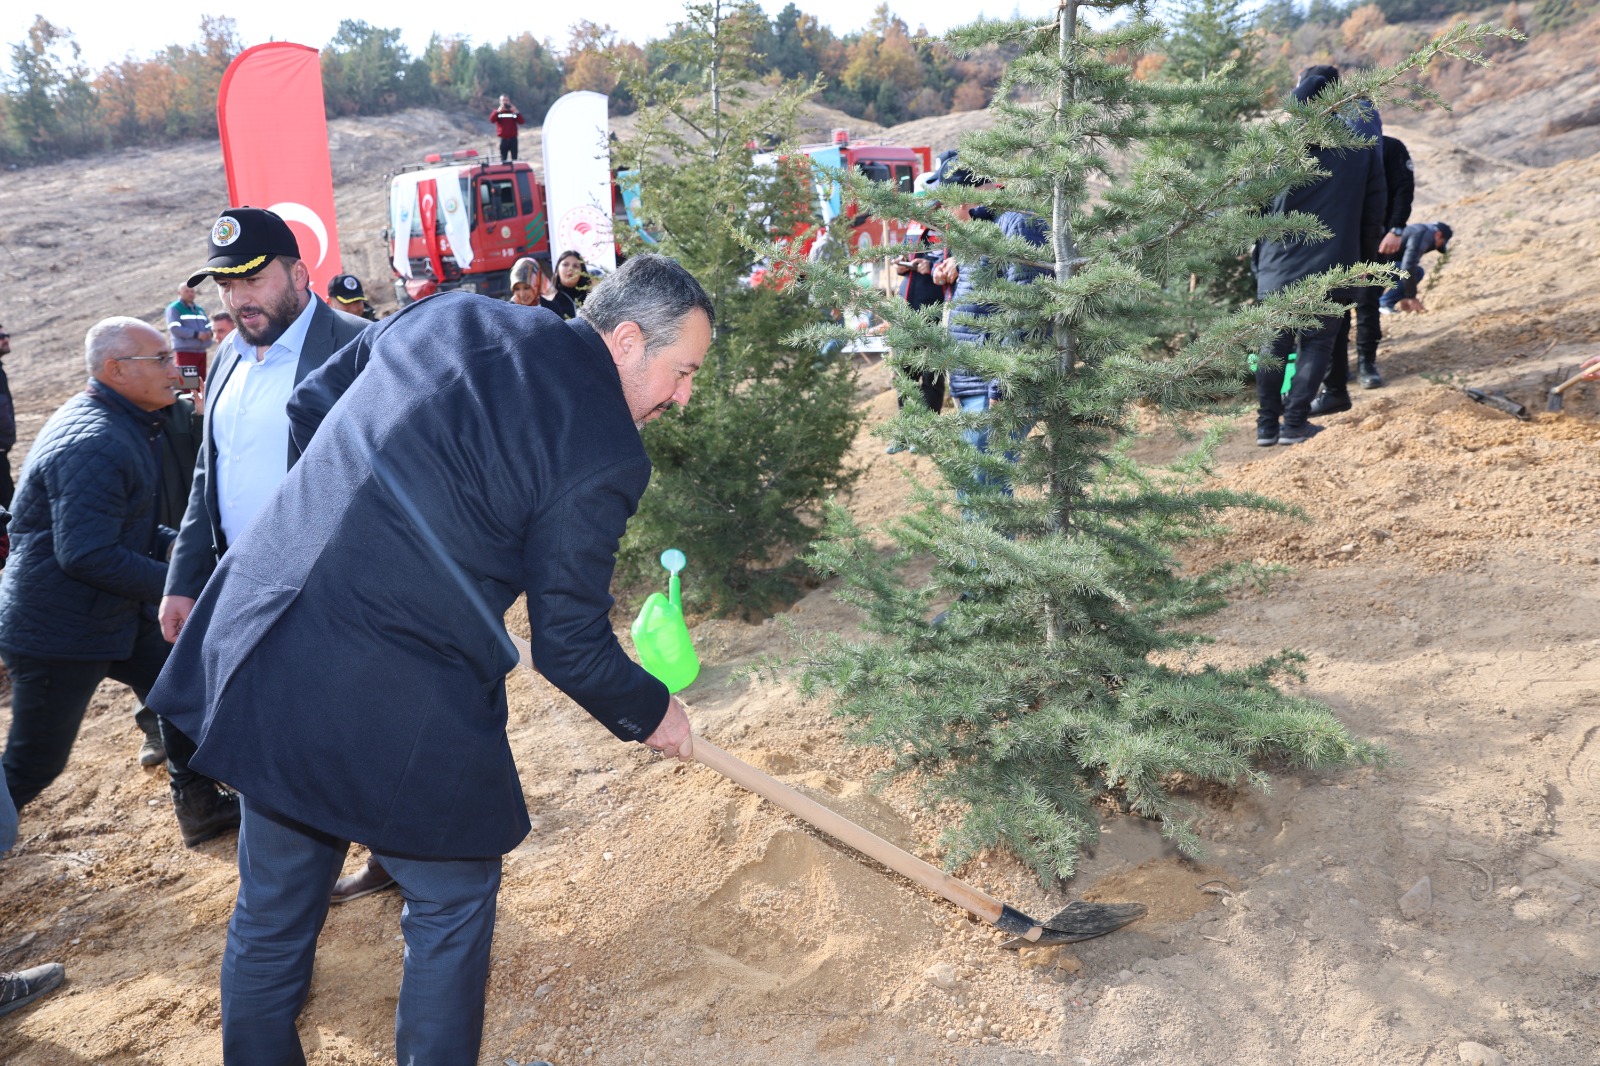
[1266,436]
[23,987]
[1367,374]
[1330,403]
[152,752]
[204,811]
[1299,435]
[372,878]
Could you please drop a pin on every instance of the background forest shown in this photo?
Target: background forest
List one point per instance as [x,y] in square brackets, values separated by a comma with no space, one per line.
[53,104]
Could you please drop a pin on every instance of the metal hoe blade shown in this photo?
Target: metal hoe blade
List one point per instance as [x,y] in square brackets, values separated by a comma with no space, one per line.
[1081,921]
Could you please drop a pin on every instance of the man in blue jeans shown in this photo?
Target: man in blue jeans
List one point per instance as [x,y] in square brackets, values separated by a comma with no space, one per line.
[973,393]
[1416,241]
[22,987]
[344,667]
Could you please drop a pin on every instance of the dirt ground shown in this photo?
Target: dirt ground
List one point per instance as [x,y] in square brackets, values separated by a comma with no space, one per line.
[1443,584]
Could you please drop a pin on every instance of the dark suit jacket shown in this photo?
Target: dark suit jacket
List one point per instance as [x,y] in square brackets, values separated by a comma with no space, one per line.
[345,666]
[200,540]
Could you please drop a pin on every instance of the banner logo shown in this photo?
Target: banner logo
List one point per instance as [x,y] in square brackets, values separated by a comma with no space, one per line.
[291,212]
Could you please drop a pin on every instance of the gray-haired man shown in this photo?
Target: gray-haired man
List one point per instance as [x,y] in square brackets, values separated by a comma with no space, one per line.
[88,561]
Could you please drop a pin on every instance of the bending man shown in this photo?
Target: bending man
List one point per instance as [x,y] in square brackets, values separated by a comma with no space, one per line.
[344,667]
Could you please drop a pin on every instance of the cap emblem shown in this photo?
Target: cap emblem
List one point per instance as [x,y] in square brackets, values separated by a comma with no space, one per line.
[225,232]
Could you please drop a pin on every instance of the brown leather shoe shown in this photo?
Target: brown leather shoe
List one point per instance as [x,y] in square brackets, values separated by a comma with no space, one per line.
[372,878]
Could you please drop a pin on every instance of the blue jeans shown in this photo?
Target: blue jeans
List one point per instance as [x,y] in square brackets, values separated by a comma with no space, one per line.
[1398,293]
[286,872]
[979,439]
[8,815]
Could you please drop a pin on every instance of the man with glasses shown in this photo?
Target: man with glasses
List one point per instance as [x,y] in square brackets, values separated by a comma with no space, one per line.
[88,562]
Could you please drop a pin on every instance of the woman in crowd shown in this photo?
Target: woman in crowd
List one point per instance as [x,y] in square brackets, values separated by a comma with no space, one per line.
[572,277]
[532,287]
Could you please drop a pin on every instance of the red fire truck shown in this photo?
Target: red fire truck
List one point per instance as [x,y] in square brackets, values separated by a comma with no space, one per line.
[460,221]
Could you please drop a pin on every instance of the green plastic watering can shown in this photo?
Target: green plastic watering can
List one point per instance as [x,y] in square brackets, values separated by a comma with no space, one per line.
[662,637]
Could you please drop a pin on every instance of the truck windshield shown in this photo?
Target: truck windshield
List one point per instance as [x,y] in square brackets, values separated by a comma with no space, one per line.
[497,200]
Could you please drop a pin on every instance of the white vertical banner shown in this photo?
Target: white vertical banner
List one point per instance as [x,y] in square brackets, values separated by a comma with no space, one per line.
[577,178]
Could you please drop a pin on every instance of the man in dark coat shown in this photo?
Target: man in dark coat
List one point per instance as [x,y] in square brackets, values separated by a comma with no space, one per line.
[283,333]
[1350,203]
[1400,186]
[344,667]
[88,561]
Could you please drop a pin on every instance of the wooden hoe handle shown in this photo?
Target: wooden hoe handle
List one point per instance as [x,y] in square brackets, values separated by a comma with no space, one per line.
[841,828]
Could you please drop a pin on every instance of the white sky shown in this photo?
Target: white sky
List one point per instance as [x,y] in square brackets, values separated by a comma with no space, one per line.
[107,30]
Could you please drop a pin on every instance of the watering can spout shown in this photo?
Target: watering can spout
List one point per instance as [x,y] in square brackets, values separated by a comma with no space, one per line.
[661,635]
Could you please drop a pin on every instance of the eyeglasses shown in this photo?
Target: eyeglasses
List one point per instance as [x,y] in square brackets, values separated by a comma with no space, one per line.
[165,358]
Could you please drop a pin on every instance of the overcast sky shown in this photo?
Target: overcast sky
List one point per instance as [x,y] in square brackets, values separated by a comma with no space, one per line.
[107,30]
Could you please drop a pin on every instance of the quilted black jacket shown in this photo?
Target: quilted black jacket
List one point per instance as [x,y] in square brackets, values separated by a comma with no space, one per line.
[85,546]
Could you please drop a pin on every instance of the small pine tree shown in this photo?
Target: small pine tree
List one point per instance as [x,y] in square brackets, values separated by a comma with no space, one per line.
[741,473]
[1057,674]
[1213,41]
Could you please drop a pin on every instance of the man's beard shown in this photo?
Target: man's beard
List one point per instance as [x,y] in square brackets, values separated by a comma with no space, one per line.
[280,316]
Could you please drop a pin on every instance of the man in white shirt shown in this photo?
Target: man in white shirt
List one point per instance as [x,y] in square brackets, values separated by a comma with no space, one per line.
[283,331]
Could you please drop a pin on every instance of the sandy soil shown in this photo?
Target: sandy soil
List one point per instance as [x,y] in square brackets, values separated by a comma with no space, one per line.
[1443,584]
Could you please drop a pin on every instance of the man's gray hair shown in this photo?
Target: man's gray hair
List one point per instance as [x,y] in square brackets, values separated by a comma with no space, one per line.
[651,291]
[110,338]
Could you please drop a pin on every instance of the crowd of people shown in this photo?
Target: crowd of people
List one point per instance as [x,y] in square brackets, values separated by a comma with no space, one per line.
[147,545]
[405,462]
[1364,200]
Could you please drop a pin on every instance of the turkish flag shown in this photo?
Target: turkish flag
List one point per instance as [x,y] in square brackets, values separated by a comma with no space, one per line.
[275,147]
[428,200]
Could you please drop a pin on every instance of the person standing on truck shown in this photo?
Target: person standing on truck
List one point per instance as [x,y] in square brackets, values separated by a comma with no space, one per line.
[506,119]
[189,329]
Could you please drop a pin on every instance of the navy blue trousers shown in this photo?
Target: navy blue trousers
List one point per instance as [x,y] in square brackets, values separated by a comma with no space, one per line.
[49,698]
[286,872]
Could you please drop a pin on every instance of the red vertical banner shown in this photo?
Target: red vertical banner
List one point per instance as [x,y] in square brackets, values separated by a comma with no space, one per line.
[275,147]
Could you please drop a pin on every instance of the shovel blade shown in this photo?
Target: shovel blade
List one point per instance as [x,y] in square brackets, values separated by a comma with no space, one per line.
[1081,921]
